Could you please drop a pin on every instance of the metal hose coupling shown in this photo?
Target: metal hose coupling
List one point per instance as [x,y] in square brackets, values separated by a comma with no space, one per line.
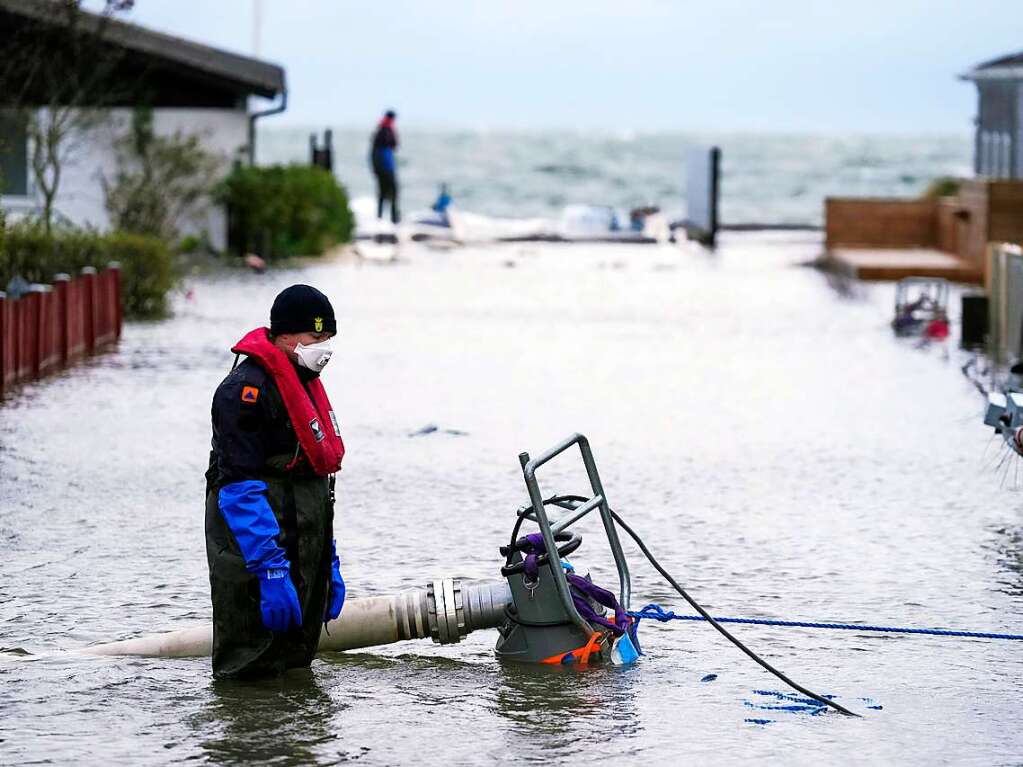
[449,609]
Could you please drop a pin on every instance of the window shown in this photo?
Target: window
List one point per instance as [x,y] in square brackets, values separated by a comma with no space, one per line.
[13,155]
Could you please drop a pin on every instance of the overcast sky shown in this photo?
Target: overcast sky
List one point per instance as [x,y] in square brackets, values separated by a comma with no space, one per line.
[832,65]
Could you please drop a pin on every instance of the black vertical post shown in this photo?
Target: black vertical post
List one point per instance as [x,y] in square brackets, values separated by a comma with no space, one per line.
[328,150]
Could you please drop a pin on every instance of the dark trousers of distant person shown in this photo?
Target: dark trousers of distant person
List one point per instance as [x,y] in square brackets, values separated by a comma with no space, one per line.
[387,191]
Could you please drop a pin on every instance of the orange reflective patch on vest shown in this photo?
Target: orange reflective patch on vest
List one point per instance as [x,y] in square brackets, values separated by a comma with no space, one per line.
[250,394]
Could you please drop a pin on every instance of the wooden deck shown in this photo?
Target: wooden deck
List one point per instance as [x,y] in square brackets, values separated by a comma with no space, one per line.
[896,263]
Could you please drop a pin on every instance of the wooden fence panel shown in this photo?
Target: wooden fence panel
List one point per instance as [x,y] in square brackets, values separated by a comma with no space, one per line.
[27,309]
[88,282]
[61,283]
[47,340]
[4,342]
[75,330]
[12,334]
[115,281]
[106,315]
[51,326]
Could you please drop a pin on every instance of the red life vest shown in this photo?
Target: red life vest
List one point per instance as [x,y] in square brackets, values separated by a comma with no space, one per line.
[310,412]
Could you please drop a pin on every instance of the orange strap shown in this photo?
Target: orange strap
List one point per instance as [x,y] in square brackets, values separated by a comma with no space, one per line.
[582,654]
[592,646]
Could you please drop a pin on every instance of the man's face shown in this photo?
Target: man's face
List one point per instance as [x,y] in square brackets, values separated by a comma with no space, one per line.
[287,342]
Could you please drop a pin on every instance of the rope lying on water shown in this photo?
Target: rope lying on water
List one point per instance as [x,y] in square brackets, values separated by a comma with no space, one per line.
[658,613]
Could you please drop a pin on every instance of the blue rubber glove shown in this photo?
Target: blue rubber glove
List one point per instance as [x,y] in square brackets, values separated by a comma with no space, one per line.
[248,514]
[336,596]
[278,600]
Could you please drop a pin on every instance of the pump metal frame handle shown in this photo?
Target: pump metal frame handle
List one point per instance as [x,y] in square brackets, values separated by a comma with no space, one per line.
[577,511]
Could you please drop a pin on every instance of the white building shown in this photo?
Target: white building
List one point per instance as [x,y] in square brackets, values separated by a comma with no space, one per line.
[189,87]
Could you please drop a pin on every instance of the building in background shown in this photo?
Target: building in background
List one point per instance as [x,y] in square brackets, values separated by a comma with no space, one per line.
[998,149]
[948,236]
[191,88]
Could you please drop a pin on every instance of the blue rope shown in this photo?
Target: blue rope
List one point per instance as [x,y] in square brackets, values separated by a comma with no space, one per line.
[658,613]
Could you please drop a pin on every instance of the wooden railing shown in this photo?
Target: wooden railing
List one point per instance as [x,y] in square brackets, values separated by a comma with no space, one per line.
[51,326]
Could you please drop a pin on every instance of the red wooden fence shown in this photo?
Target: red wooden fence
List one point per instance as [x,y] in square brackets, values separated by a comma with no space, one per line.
[53,325]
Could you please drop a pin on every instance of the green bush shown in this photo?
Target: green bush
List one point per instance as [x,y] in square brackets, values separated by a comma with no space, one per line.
[285,210]
[147,272]
[147,265]
[36,256]
[943,186]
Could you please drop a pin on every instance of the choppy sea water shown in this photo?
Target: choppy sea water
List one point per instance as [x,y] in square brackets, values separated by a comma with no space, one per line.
[766,178]
[756,422]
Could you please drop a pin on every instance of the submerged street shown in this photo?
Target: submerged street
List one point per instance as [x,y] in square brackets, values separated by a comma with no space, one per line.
[782,454]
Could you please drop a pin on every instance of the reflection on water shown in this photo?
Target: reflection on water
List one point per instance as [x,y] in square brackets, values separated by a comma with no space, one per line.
[553,703]
[777,449]
[278,721]
[1008,546]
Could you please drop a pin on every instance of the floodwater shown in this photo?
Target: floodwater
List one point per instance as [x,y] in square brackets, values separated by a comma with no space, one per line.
[758,424]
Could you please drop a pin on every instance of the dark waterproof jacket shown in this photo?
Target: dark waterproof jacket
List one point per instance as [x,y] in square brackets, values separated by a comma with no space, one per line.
[255,441]
[381,154]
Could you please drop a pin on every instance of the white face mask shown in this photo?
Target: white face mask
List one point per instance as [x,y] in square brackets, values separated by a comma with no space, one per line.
[315,356]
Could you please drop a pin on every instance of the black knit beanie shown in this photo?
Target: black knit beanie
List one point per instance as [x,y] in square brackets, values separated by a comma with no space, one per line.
[302,309]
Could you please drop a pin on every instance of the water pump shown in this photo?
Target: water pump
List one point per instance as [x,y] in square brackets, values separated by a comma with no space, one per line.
[543,622]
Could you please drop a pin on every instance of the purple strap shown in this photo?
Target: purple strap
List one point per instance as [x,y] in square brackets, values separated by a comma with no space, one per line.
[581,588]
[533,548]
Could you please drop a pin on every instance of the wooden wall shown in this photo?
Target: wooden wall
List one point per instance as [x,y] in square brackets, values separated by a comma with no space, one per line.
[880,223]
[948,224]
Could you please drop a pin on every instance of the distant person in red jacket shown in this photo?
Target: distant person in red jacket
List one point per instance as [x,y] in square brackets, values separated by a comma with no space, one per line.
[385,143]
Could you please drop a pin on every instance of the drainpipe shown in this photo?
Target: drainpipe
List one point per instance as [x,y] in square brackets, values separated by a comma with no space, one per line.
[275,110]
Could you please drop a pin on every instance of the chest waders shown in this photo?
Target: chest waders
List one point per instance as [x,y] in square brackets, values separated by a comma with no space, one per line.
[242,645]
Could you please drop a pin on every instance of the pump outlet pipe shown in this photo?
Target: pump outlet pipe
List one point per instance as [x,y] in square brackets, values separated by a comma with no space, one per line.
[445,611]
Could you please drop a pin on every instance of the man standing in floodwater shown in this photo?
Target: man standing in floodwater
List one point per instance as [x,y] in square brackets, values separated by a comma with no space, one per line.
[275,575]
[382,159]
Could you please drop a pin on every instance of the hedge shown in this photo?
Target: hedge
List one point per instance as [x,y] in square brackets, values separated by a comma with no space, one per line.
[147,265]
[285,210]
[943,186]
[147,272]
